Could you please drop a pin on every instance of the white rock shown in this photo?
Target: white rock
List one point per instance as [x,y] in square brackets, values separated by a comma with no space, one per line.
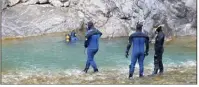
[113,17]
[116,28]
[13,2]
[30,2]
[191,3]
[24,1]
[80,14]
[3,4]
[36,20]
[74,2]
[67,4]
[43,1]
[56,3]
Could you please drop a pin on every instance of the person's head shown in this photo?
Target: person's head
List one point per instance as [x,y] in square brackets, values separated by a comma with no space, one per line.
[159,29]
[90,25]
[139,26]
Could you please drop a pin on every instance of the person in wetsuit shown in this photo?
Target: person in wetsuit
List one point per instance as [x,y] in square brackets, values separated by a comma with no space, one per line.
[92,45]
[68,38]
[159,49]
[73,36]
[139,40]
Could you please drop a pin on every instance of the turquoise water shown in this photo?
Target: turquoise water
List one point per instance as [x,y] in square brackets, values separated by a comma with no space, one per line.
[53,54]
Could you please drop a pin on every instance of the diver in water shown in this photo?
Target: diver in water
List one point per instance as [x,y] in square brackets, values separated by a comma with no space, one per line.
[139,40]
[73,36]
[159,49]
[92,45]
[68,38]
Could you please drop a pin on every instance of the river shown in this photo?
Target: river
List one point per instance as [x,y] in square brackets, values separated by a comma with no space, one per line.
[49,60]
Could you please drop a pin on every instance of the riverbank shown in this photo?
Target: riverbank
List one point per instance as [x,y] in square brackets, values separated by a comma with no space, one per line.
[174,76]
[81,35]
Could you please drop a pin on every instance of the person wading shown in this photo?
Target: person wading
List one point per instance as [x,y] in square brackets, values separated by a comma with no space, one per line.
[139,40]
[159,49]
[92,45]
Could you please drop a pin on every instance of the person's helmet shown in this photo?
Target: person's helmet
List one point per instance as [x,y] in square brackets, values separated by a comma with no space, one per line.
[90,24]
[159,28]
[139,25]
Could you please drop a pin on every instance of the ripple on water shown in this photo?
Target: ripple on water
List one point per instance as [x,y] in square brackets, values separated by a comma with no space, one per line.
[34,68]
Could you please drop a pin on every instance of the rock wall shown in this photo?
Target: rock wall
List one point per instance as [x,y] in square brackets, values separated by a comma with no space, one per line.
[114,18]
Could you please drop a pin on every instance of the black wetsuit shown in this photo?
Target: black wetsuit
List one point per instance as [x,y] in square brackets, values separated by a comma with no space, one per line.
[159,49]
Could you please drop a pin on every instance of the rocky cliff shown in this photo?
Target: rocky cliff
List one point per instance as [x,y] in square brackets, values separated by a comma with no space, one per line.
[115,18]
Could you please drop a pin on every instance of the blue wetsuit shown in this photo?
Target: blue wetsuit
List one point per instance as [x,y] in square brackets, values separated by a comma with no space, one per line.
[73,37]
[139,40]
[92,45]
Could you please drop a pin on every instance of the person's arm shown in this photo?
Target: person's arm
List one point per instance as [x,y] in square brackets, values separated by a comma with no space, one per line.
[128,46]
[86,43]
[147,46]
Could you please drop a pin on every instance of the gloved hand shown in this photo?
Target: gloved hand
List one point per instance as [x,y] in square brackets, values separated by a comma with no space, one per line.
[146,54]
[126,55]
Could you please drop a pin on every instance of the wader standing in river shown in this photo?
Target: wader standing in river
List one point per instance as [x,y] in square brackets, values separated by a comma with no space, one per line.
[92,44]
[159,49]
[139,40]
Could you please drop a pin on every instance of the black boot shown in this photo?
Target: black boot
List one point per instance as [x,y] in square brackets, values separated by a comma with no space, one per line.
[154,72]
[96,70]
[130,76]
[141,75]
[85,70]
[161,71]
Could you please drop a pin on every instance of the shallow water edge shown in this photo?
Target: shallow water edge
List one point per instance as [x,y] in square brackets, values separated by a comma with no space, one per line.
[183,73]
[174,76]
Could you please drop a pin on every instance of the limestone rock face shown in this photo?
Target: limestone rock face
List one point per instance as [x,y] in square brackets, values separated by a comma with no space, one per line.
[114,18]
[43,1]
[13,2]
[24,1]
[56,3]
[22,21]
